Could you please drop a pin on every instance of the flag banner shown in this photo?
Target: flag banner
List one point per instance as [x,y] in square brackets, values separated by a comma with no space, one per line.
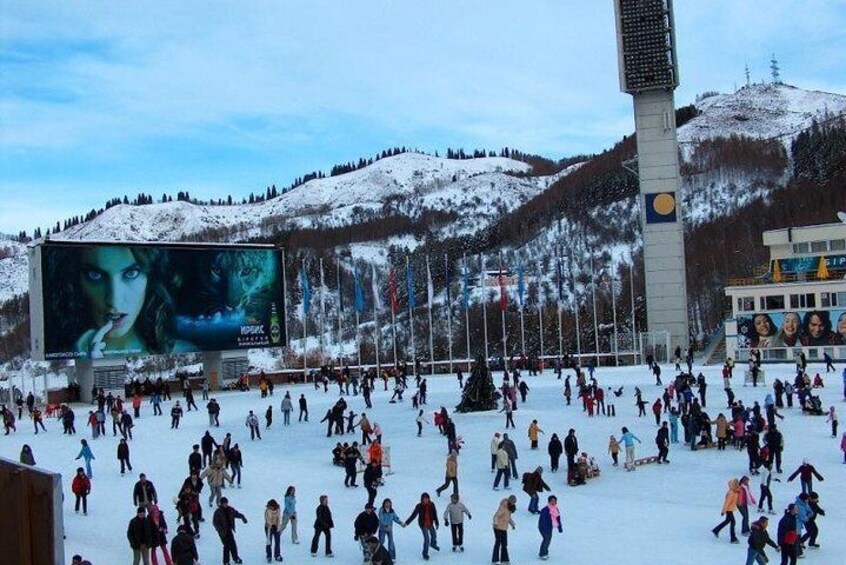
[521,283]
[377,298]
[409,284]
[340,288]
[306,290]
[322,287]
[465,287]
[430,287]
[392,290]
[359,291]
[560,282]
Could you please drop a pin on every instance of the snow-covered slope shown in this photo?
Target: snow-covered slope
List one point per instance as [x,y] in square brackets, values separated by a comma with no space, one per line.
[13,274]
[760,111]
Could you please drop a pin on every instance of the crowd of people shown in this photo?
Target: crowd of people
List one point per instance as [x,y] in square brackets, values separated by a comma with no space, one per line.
[215,463]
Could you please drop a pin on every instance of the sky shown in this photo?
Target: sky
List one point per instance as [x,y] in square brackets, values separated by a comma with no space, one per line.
[102,99]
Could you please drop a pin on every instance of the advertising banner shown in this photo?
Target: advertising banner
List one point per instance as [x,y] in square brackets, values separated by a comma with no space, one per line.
[792,328]
[118,300]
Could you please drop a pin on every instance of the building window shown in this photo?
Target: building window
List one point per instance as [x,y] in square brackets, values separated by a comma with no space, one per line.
[772,302]
[819,246]
[837,245]
[803,300]
[832,299]
[746,304]
[801,247]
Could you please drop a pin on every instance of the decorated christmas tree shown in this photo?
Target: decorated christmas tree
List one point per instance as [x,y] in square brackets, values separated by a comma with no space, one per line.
[479,393]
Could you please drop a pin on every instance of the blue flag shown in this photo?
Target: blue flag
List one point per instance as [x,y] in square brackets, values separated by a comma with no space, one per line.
[521,283]
[465,287]
[306,291]
[359,292]
[409,285]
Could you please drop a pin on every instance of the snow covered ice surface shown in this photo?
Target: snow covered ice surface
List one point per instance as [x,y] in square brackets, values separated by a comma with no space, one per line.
[656,515]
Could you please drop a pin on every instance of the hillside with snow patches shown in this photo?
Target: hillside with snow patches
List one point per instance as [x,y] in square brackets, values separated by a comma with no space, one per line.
[482,190]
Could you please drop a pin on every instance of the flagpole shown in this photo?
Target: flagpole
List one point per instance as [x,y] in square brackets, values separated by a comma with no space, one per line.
[577,309]
[634,328]
[392,291]
[614,314]
[394,331]
[431,292]
[340,309]
[449,313]
[593,299]
[376,327]
[284,302]
[484,304]
[304,278]
[358,337]
[540,320]
[522,323]
[320,314]
[502,313]
[409,285]
[560,306]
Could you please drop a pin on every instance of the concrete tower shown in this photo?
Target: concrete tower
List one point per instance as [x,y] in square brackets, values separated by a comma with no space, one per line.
[646,50]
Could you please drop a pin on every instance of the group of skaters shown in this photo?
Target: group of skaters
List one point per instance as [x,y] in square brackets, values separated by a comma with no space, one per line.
[213,465]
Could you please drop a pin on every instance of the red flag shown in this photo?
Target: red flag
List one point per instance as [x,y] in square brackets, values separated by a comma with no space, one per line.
[503,301]
[392,290]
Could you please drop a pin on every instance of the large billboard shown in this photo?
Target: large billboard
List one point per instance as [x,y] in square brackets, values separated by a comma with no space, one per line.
[812,328]
[116,300]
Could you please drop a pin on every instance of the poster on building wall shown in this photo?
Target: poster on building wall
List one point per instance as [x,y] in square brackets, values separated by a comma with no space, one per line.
[792,328]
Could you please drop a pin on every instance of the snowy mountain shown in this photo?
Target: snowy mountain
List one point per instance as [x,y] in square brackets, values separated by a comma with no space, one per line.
[13,265]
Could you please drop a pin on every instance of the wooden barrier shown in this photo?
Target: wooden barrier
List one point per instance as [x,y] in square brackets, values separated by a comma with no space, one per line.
[31,528]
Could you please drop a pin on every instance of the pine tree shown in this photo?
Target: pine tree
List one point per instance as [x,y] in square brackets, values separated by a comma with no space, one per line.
[479,393]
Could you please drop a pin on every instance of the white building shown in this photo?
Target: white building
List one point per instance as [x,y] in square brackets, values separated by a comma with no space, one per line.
[800,303]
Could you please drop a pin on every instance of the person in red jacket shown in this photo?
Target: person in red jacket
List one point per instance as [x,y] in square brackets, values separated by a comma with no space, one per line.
[806,473]
[656,411]
[80,487]
[427,519]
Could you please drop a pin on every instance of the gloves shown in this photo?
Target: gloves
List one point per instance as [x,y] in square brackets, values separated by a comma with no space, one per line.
[446,523]
[469,517]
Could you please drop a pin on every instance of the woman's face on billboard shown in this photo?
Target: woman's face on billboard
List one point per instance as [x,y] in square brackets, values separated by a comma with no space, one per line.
[762,326]
[115,285]
[816,327]
[841,326]
[791,325]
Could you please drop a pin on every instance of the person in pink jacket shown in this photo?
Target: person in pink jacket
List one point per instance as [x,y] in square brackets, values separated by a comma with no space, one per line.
[843,447]
[739,432]
[744,500]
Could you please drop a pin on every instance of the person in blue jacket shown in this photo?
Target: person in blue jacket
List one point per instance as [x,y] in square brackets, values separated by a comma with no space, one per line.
[803,515]
[550,517]
[85,453]
[674,425]
[387,518]
[628,439]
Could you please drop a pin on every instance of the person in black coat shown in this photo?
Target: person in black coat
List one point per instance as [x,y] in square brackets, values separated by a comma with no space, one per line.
[141,536]
[366,523]
[571,449]
[208,444]
[788,537]
[555,450]
[224,523]
[662,440]
[323,524]
[183,550]
[195,460]
[144,492]
[811,528]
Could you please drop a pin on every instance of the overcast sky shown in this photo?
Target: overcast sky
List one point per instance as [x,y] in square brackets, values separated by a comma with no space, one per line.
[102,99]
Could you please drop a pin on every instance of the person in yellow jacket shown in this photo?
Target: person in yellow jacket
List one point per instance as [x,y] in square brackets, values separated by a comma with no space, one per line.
[729,507]
[534,429]
[451,475]
[501,520]
[614,449]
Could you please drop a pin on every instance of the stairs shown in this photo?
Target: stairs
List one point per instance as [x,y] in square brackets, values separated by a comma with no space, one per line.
[715,352]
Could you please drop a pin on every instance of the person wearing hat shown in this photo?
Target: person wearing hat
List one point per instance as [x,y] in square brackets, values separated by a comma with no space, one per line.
[224,522]
[550,517]
[454,518]
[323,524]
[811,528]
[183,550]
[365,526]
[806,473]
[533,484]
[788,536]
[501,520]
[758,540]
[427,519]
[141,537]
[451,475]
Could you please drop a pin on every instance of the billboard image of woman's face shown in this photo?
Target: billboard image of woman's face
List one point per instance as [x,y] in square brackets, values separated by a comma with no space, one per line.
[119,300]
[813,328]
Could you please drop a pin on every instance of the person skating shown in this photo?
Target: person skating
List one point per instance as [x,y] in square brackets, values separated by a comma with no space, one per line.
[272,530]
[216,473]
[159,527]
[729,507]
[766,494]
[123,456]
[508,408]
[502,470]
[759,539]
[81,488]
[744,501]
[387,518]
[555,449]
[495,441]
[352,456]
[832,418]
[787,537]
[188,508]
[451,474]
[454,519]
[175,416]
[126,425]
[207,443]
[323,524]
[268,417]
[183,549]
[534,430]
[371,480]
[366,525]
[253,423]
[27,457]
[236,463]
[811,528]
[37,420]
[628,439]
[549,519]
[662,440]
[213,408]
[195,459]
[614,449]
[224,523]
[144,492]
[806,473]
[289,513]
[303,405]
[571,449]
[141,537]
[501,520]
[86,454]
[511,450]
[427,520]
[287,407]
[533,484]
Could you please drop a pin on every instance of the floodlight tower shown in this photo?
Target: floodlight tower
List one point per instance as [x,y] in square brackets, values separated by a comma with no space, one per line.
[646,50]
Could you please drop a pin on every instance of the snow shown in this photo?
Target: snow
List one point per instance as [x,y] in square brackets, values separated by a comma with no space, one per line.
[13,270]
[652,516]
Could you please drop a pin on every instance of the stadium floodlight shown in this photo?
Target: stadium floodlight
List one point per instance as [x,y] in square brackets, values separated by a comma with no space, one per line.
[646,45]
